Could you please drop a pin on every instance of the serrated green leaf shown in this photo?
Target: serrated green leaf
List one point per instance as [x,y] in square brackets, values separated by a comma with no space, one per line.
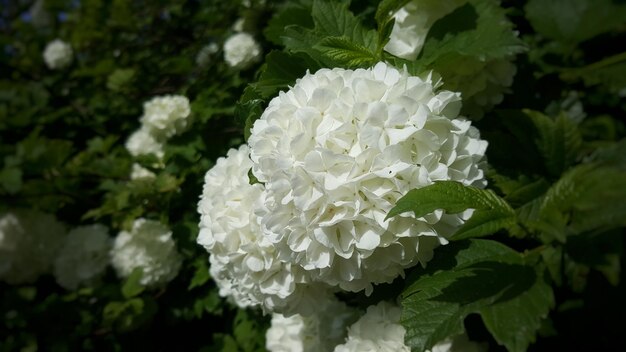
[559,141]
[515,323]
[289,15]
[280,71]
[491,213]
[574,21]
[386,9]
[201,274]
[331,20]
[492,38]
[475,276]
[347,53]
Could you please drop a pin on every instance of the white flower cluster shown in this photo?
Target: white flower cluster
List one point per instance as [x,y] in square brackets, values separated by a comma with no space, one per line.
[57,54]
[83,257]
[378,330]
[29,241]
[321,331]
[333,155]
[149,246]
[140,172]
[241,51]
[481,82]
[163,117]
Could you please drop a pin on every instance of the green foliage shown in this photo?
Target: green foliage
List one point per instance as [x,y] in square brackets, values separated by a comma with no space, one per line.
[505,288]
[491,213]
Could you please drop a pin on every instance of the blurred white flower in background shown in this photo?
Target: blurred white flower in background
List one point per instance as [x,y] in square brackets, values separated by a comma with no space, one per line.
[29,242]
[143,142]
[378,330]
[140,172]
[83,257]
[57,54]
[412,24]
[337,151]
[241,51]
[321,331]
[148,246]
[166,115]
[480,81]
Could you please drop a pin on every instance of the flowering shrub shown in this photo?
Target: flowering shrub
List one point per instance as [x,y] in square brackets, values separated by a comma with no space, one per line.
[148,247]
[313,175]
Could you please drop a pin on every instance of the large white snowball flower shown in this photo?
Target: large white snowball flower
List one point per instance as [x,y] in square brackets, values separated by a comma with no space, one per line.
[412,24]
[57,54]
[321,331]
[83,257]
[378,330]
[243,262]
[29,242]
[241,51]
[166,115]
[337,151]
[144,142]
[149,246]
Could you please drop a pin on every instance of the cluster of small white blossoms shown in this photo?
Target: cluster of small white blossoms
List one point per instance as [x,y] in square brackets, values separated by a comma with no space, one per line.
[163,117]
[57,54]
[333,155]
[148,246]
[481,82]
[321,331]
[29,241]
[83,257]
[241,51]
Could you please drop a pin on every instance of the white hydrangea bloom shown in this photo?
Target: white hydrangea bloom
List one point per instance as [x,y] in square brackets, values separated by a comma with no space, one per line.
[83,257]
[459,343]
[57,54]
[29,242]
[143,142]
[241,51]
[204,55]
[149,246]
[166,115]
[412,23]
[337,151]
[378,330]
[321,331]
[140,172]
[243,262]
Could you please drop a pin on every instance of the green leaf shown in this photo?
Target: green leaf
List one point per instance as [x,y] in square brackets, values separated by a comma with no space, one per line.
[280,71]
[574,21]
[475,276]
[347,53]
[492,38]
[248,112]
[386,9]
[610,72]
[491,214]
[351,44]
[132,286]
[201,274]
[11,179]
[559,141]
[128,315]
[291,14]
